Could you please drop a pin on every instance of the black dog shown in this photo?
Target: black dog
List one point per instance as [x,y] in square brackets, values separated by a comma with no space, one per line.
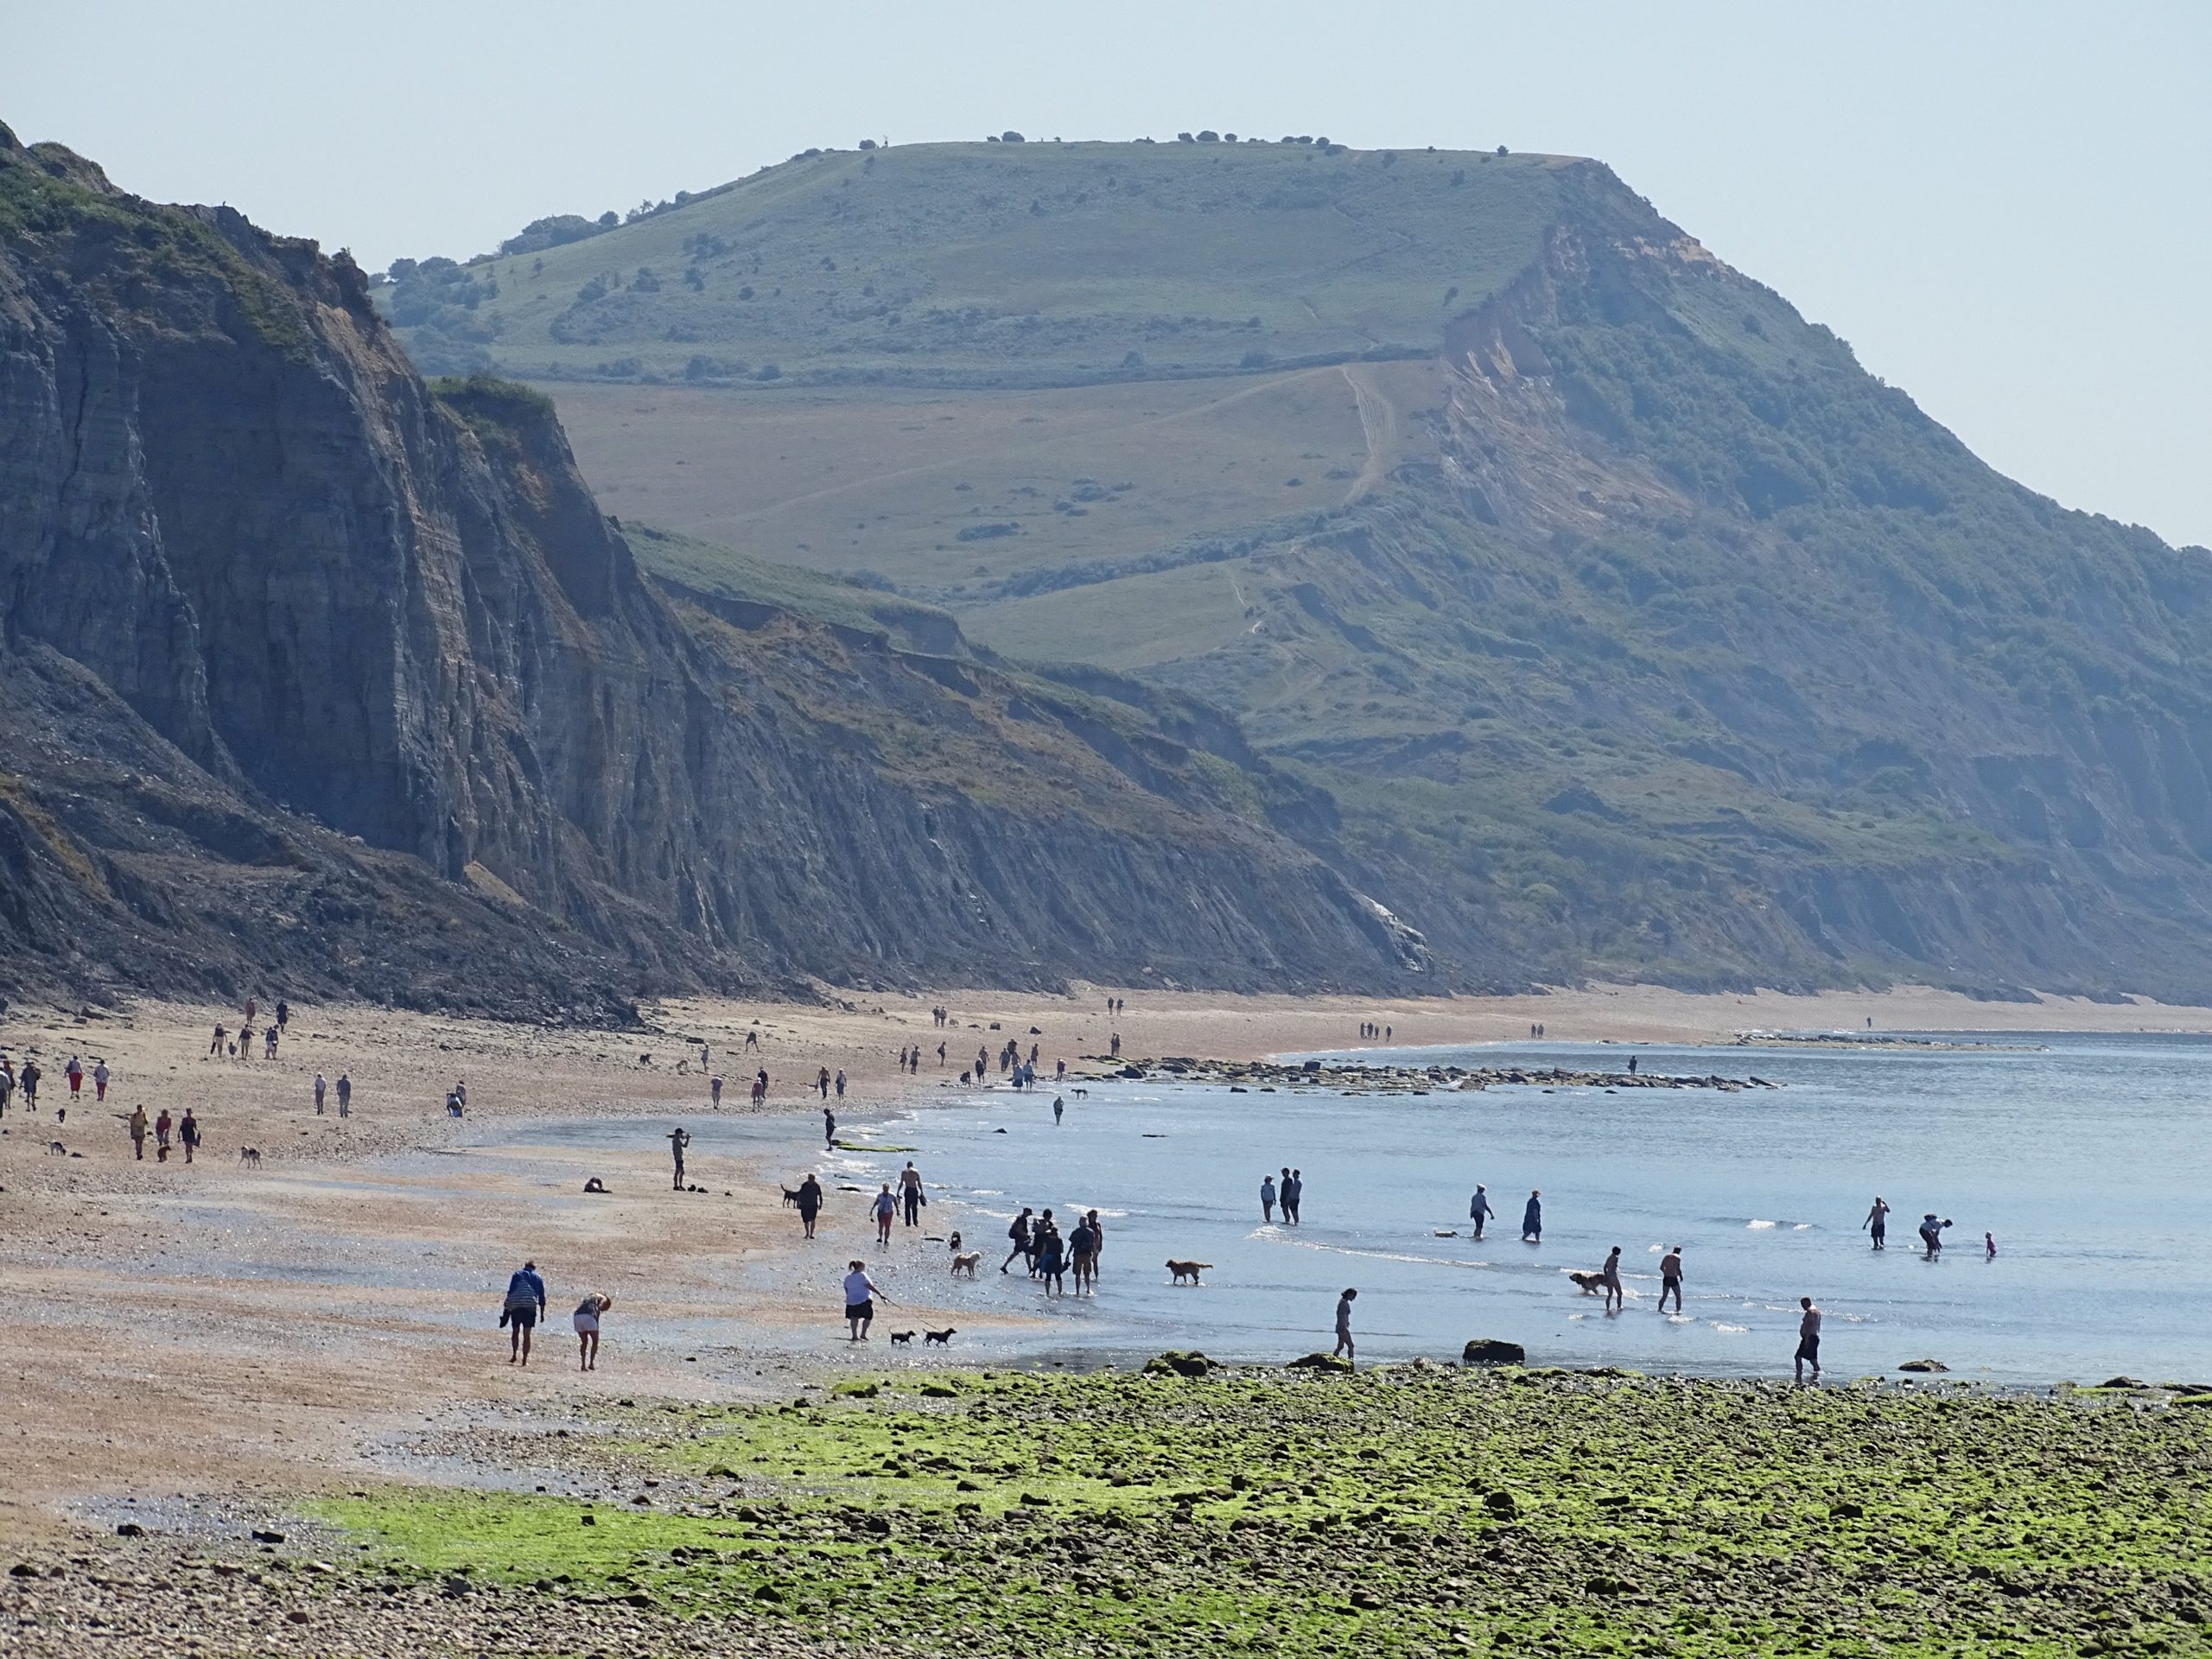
[942,1338]
[902,1336]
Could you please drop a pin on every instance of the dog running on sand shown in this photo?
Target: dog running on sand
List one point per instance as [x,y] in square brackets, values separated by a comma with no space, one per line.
[249,1155]
[1183,1270]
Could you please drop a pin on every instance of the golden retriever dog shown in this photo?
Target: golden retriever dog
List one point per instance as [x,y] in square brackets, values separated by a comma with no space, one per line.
[966,1262]
[1183,1270]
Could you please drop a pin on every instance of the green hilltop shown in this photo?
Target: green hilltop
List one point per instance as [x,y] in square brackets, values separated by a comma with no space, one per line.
[1633,629]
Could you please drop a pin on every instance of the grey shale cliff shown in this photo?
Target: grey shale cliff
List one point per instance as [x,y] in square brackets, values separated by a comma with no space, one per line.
[314,675]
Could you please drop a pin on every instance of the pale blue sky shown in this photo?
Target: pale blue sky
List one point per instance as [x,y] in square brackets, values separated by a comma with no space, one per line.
[2003,207]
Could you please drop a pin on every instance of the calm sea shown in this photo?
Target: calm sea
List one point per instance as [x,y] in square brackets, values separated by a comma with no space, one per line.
[2088,1158]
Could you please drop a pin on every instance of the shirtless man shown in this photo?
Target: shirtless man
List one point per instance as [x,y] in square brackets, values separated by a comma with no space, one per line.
[1670,1278]
[1609,1277]
[1808,1339]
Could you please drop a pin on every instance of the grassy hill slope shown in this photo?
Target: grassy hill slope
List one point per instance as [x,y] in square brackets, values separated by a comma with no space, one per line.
[1006,265]
[1634,629]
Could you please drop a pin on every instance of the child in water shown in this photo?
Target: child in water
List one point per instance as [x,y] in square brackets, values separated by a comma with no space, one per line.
[1989,1242]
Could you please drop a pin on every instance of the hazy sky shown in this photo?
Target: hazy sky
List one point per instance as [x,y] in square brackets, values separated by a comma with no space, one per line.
[2006,208]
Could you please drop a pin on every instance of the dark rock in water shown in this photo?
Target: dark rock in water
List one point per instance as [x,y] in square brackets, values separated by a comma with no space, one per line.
[1489,1350]
[1178,1362]
[1923,1365]
[1319,1362]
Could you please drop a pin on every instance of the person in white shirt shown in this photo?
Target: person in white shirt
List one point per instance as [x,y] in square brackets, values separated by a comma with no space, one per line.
[859,1300]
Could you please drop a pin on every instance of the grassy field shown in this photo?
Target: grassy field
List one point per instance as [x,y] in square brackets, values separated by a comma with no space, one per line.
[1006,265]
[900,483]
[1408,1510]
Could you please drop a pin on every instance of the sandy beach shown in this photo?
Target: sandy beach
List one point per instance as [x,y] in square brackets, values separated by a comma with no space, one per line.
[225,1329]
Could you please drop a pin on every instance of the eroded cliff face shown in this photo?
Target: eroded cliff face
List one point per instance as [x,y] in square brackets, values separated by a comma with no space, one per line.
[363,641]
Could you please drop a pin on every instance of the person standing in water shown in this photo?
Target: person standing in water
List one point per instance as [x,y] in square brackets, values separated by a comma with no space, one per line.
[1532,1220]
[1478,1210]
[1878,1222]
[1059,1106]
[1609,1277]
[1989,1243]
[1931,1234]
[1670,1278]
[1808,1339]
[1268,1199]
[829,1128]
[1344,1326]
[910,1195]
[1018,1232]
[1294,1191]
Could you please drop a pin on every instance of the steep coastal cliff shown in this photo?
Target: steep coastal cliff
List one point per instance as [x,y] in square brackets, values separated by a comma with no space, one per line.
[309,671]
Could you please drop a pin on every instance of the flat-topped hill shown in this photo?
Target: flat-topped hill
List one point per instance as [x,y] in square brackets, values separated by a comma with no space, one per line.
[1005,264]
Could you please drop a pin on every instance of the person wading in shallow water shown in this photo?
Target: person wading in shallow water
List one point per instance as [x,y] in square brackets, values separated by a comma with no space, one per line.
[1808,1339]
[1877,1220]
[1343,1325]
[1532,1220]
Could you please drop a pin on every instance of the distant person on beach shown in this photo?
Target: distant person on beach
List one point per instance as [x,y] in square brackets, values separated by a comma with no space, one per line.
[99,1079]
[1268,1199]
[1018,1232]
[7,1084]
[1532,1220]
[587,1323]
[1051,1260]
[1989,1244]
[1060,1109]
[753,1040]
[1609,1277]
[940,1056]
[27,1080]
[886,1211]
[714,1090]
[1878,1222]
[216,1048]
[1670,1278]
[678,1138]
[1082,1254]
[524,1306]
[1293,1192]
[1343,1325]
[829,1127]
[319,1086]
[345,1094]
[283,1014]
[162,1127]
[1097,1242]
[810,1203]
[1931,1234]
[822,1082]
[187,1135]
[859,1295]
[137,1124]
[1631,1065]
[1808,1339]
[269,1036]
[75,1072]
[1479,1210]
[910,1195]
[841,1083]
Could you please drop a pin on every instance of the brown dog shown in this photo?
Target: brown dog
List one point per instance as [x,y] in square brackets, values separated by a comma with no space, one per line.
[1183,1270]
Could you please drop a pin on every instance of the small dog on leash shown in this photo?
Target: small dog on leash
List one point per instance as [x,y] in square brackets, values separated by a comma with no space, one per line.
[1183,1270]
[942,1338]
[902,1336]
[966,1262]
[249,1155]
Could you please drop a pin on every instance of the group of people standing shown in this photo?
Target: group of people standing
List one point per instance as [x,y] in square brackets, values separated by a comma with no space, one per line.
[1284,1194]
[240,1047]
[1931,1231]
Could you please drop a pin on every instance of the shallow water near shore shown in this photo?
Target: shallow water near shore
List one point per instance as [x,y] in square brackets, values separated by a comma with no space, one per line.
[2088,1157]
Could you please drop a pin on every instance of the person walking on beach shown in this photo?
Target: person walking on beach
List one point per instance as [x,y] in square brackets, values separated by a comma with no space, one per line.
[810,1203]
[841,1083]
[75,1072]
[714,1089]
[1878,1222]
[524,1306]
[1059,1107]
[886,1211]
[187,1135]
[1532,1220]
[216,1048]
[587,1324]
[910,1195]
[1989,1244]
[1018,1232]
[678,1138]
[27,1080]
[162,1127]
[320,1085]
[344,1095]
[1808,1339]
[99,1079]
[1344,1326]
[7,1084]
[1670,1278]
[821,1081]
[1082,1254]
[859,1295]
[1479,1210]
[136,1122]
[1609,1277]
[1268,1199]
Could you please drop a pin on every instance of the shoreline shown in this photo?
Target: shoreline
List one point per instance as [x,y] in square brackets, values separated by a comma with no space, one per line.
[229,1328]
